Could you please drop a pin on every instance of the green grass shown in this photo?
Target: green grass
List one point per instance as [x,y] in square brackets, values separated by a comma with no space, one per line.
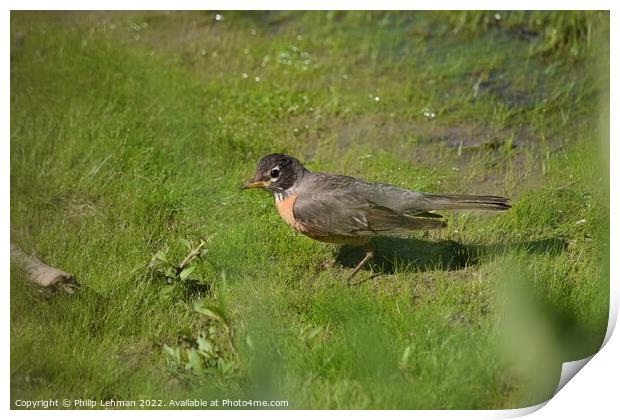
[131,133]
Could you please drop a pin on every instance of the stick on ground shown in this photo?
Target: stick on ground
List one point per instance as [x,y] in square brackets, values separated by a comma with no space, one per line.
[43,274]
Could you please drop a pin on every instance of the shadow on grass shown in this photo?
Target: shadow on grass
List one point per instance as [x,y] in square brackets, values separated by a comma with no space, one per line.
[420,255]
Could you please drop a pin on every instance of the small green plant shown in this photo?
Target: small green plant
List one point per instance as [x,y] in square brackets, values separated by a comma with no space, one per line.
[170,272]
[212,352]
[161,267]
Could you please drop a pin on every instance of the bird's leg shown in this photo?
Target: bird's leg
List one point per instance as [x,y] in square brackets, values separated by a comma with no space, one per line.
[370,252]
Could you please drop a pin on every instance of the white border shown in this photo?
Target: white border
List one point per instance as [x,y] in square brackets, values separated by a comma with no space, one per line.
[592,391]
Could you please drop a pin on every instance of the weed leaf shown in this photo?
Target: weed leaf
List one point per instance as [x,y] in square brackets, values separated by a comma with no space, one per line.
[212,312]
[194,361]
[186,272]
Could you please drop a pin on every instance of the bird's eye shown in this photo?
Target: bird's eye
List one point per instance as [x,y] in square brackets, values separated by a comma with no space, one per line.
[275,172]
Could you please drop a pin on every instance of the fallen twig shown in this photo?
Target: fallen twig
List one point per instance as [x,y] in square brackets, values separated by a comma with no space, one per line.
[193,254]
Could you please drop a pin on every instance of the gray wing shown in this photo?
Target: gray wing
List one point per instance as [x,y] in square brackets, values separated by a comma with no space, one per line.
[345,214]
[409,202]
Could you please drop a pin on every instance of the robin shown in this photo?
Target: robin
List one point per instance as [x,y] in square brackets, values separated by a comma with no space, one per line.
[346,210]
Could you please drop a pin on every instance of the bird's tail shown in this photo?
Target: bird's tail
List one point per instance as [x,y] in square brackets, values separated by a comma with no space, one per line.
[469,202]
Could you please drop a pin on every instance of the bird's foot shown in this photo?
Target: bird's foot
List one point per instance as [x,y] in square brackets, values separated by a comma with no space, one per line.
[370,253]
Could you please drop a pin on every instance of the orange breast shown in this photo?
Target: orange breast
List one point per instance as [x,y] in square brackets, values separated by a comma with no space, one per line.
[285,208]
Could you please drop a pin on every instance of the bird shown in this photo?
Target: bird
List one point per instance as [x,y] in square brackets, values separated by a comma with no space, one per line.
[347,210]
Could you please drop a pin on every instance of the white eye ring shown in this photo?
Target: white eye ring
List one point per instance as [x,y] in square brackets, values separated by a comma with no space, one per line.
[274,173]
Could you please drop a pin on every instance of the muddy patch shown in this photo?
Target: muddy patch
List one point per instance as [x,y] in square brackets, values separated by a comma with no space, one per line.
[479,155]
[397,136]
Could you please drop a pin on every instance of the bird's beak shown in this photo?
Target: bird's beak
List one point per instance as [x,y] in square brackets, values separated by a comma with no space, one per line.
[255,184]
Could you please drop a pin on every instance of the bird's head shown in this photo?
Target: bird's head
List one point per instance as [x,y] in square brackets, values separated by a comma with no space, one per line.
[276,173]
